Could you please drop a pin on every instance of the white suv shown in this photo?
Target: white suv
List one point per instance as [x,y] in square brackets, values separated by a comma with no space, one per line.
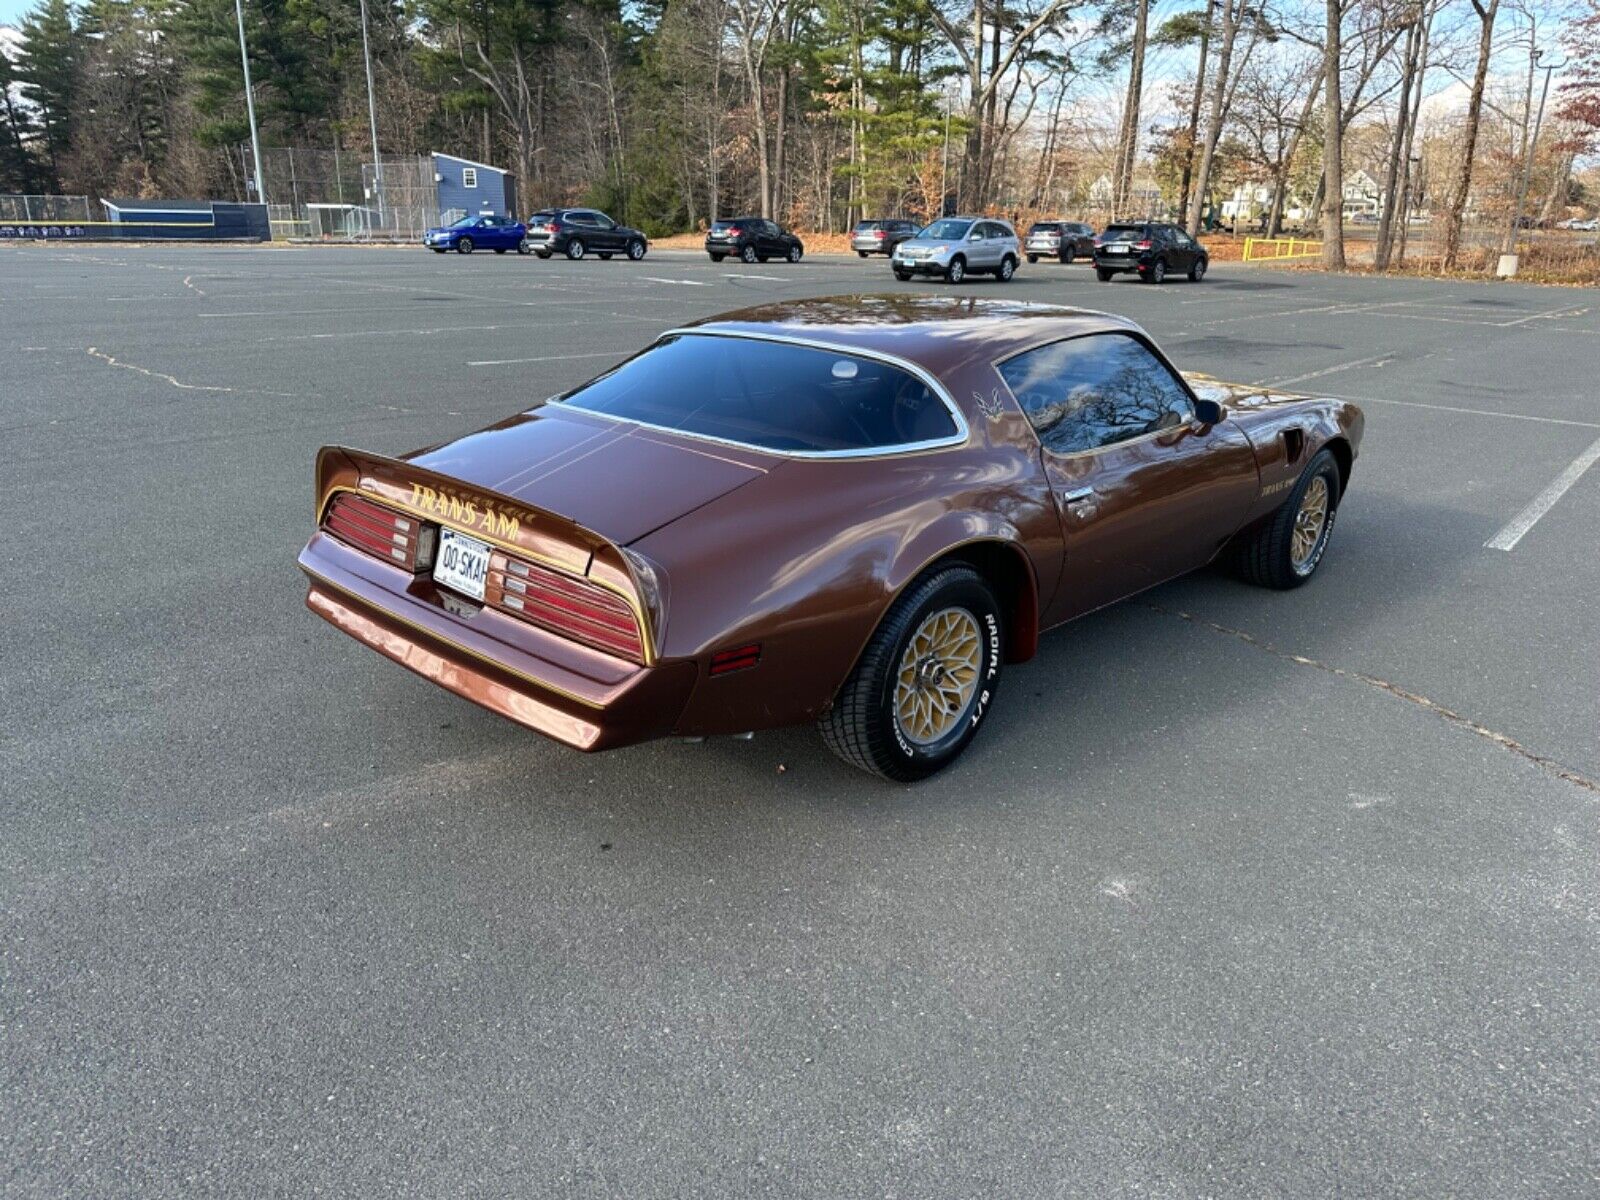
[956,247]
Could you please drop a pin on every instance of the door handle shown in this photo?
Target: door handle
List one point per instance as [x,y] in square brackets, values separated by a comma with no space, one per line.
[1078,495]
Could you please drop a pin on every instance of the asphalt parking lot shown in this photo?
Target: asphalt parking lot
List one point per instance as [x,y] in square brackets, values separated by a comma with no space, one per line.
[1240,893]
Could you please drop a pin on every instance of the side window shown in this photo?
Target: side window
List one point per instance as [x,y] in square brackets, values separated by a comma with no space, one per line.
[978,233]
[1089,392]
[469,177]
[603,221]
[772,229]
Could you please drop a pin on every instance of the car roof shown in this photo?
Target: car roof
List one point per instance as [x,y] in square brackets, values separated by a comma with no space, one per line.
[940,334]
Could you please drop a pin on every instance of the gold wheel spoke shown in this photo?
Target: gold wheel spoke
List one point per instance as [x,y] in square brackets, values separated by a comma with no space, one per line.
[938,675]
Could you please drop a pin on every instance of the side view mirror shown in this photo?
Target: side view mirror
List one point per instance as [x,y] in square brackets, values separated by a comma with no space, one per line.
[1209,412]
[974,237]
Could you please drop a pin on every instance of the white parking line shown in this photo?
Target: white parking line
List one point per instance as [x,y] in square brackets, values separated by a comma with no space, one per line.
[506,362]
[779,278]
[1525,520]
[1375,360]
[685,282]
[1471,412]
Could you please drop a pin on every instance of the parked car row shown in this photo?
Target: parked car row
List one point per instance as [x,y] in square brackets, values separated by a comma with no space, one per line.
[951,247]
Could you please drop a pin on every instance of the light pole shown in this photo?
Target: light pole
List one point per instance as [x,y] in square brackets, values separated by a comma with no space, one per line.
[372,115]
[250,105]
[1527,162]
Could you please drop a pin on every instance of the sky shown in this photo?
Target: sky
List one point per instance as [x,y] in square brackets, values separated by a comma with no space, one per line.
[11,11]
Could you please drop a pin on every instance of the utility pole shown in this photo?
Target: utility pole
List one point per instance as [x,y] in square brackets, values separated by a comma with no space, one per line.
[372,115]
[250,105]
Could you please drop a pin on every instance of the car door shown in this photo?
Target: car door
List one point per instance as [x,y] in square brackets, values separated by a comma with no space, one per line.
[978,248]
[605,233]
[772,240]
[1143,490]
[1180,250]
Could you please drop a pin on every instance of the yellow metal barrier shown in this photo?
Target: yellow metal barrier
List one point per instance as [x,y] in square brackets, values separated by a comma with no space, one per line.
[1271,249]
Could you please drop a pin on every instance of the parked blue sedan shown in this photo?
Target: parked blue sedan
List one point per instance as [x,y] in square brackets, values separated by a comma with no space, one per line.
[479,233]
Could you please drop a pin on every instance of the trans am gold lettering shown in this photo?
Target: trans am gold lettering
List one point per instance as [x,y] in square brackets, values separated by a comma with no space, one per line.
[466,513]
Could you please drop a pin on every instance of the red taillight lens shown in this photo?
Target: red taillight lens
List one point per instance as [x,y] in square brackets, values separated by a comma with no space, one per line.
[381,531]
[733,231]
[724,661]
[879,234]
[571,607]
[1144,245]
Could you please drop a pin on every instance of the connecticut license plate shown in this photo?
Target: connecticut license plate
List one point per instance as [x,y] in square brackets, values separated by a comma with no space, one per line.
[463,563]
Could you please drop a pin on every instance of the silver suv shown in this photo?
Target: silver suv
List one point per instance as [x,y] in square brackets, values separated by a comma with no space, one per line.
[956,247]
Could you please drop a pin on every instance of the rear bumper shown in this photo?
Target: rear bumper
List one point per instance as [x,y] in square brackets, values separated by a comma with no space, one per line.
[872,247]
[1120,262]
[581,698]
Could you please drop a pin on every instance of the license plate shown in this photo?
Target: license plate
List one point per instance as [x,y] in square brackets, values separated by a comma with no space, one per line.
[1118,249]
[463,563]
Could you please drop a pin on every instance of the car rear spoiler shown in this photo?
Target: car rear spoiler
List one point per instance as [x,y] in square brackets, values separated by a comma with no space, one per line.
[535,533]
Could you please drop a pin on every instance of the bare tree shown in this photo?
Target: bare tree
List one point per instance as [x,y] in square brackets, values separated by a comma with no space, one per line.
[1463,185]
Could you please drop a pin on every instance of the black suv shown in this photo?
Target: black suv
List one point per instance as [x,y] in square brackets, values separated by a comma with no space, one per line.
[579,231]
[1063,240]
[1152,249]
[751,239]
[881,236]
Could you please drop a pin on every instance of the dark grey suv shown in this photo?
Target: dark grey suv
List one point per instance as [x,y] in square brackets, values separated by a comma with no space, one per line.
[881,236]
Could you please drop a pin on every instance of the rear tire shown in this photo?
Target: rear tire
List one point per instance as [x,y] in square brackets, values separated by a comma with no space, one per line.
[523,247]
[1284,548]
[861,253]
[926,680]
[795,253]
[575,249]
[1069,255]
[1103,275]
[1008,268]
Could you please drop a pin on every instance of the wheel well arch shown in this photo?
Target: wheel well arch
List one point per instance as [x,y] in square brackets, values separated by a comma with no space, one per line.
[1339,447]
[1006,568]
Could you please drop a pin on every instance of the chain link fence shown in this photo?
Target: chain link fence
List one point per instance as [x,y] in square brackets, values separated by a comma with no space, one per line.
[336,195]
[51,209]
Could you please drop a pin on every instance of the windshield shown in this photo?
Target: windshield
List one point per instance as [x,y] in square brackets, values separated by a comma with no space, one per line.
[947,228]
[465,223]
[771,395]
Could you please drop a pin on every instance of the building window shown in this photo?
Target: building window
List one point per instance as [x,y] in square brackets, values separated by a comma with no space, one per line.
[469,177]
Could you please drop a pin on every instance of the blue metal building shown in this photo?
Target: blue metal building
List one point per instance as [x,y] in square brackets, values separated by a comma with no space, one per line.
[472,188]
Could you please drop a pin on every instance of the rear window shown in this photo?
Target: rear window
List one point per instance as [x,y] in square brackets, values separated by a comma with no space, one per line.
[770,395]
[1124,233]
[868,226]
[1044,227]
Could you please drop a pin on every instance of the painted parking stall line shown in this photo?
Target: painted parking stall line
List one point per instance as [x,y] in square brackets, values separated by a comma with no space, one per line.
[1525,520]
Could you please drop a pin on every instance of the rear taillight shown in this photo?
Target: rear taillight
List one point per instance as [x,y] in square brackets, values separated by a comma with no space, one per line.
[733,231]
[879,234]
[563,604]
[1144,245]
[381,531]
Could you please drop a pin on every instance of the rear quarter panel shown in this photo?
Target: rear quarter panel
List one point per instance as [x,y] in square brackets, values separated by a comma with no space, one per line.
[806,560]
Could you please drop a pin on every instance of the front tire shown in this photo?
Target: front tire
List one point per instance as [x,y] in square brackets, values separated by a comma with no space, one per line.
[795,253]
[903,276]
[1103,275]
[1008,268]
[464,246]
[523,247]
[748,256]
[956,271]
[1198,271]
[925,681]
[636,249]
[575,249]
[1069,255]
[1283,550]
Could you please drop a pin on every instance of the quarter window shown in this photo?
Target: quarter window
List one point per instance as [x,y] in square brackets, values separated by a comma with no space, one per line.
[469,177]
[1095,391]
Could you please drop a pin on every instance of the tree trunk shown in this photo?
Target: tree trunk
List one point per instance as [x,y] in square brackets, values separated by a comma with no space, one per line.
[1333,145]
[1219,94]
[1194,108]
[1391,182]
[1281,184]
[1128,138]
[1458,198]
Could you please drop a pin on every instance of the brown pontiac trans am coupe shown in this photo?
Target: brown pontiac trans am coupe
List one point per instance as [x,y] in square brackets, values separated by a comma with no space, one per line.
[854,511]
